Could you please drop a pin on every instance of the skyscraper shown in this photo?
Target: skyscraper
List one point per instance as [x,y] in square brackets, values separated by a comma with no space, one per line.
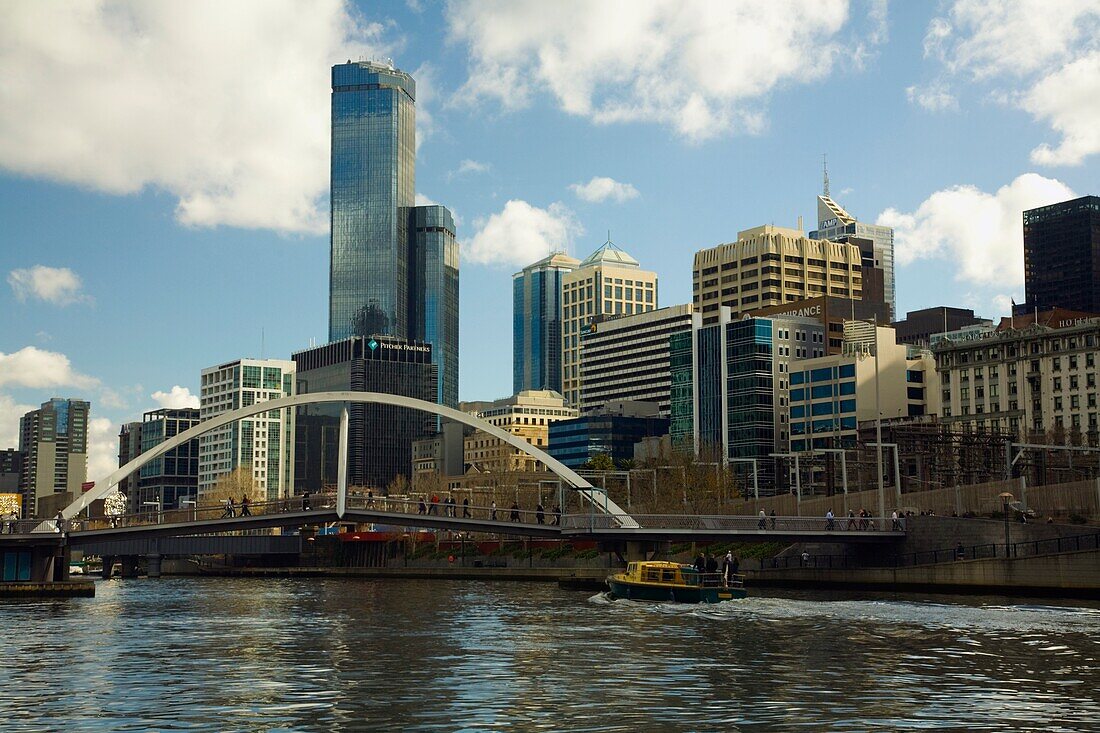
[394,265]
[54,441]
[836,224]
[1062,255]
[536,323]
[607,282]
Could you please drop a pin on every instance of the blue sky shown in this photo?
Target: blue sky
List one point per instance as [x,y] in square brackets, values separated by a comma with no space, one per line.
[163,167]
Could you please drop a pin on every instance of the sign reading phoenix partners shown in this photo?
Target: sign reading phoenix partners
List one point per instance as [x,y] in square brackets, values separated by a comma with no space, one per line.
[374,345]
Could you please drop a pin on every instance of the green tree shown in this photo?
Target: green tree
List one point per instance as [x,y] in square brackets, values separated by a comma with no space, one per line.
[600,462]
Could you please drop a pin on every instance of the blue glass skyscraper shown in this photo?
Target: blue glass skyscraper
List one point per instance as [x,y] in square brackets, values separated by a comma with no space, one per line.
[536,323]
[394,266]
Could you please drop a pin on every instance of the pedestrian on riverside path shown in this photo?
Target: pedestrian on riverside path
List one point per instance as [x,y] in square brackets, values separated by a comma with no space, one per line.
[246,511]
[515,512]
[230,509]
[960,552]
[762,524]
[466,508]
[540,514]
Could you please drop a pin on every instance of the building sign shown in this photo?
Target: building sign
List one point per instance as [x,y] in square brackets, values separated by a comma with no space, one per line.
[807,312]
[829,223]
[405,347]
[969,333]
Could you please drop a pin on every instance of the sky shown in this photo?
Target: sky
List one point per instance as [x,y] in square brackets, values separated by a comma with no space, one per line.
[164,165]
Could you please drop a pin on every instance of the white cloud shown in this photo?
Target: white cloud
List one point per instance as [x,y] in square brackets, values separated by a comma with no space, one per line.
[57,285]
[39,369]
[422,200]
[176,398]
[468,167]
[10,413]
[1002,304]
[703,68]
[102,448]
[981,232]
[425,77]
[602,188]
[1042,56]
[935,97]
[225,106]
[521,234]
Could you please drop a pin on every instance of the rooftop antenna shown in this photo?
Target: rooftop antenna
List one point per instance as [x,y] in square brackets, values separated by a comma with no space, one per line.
[825,171]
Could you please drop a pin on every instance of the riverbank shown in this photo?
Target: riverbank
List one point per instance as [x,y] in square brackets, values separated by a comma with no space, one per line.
[51,589]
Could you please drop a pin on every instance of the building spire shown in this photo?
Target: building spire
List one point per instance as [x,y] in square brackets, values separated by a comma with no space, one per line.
[825,171]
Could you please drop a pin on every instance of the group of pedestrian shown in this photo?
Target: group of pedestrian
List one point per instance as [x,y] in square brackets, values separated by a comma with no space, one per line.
[9,522]
[707,567]
[245,507]
[763,521]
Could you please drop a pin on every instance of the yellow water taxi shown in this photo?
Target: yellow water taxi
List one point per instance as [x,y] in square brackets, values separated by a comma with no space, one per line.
[658,580]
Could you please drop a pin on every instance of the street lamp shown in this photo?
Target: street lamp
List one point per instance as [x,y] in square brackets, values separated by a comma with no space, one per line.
[843,470]
[1006,497]
[755,485]
[153,504]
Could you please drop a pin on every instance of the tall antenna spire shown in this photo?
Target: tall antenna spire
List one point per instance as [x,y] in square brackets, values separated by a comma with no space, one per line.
[825,171]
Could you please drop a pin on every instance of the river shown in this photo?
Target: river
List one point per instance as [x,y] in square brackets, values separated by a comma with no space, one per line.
[346,655]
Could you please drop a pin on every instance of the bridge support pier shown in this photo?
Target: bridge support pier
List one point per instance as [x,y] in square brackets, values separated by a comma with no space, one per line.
[637,550]
[129,566]
[152,565]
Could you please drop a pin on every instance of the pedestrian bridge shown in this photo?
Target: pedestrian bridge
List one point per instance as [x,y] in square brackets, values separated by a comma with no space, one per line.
[398,514]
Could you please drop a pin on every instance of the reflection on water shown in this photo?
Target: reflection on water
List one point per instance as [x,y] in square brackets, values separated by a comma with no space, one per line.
[343,655]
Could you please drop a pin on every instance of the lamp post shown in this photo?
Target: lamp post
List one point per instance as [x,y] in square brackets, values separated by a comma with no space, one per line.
[1006,497]
[755,485]
[843,470]
[797,479]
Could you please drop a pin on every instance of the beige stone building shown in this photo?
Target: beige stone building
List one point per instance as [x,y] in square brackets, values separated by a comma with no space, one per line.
[770,265]
[607,282]
[527,415]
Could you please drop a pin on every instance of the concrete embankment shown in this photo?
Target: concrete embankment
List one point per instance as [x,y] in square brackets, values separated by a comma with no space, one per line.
[51,589]
[547,575]
[1065,575]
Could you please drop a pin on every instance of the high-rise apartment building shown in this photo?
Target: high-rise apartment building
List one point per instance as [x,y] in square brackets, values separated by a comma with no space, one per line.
[1062,255]
[380,437]
[536,323]
[771,266]
[627,357]
[173,478]
[876,241]
[527,415]
[129,448]
[394,265]
[264,443]
[608,282]
[54,442]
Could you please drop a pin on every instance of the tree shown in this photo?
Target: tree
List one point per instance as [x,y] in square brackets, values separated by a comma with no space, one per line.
[600,462]
[234,485]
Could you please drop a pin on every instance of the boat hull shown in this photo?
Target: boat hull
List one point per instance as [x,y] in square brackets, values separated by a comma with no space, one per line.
[677,593]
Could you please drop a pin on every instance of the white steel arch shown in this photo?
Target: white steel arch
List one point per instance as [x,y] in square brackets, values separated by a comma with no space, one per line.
[583,487]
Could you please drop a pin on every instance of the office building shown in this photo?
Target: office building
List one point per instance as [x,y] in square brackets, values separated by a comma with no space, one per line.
[54,442]
[380,437]
[527,415]
[740,386]
[918,326]
[1034,377]
[772,266]
[609,282]
[171,480]
[442,453]
[876,241]
[129,448]
[612,430]
[536,323]
[433,293]
[830,311]
[1062,256]
[681,393]
[262,444]
[830,395]
[394,265]
[11,467]
[627,358]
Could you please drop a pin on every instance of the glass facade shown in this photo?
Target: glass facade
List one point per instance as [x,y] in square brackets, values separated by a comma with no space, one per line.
[433,292]
[1062,256]
[823,408]
[380,437]
[175,475]
[750,429]
[372,188]
[681,427]
[882,239]
[574,442]
[536,324]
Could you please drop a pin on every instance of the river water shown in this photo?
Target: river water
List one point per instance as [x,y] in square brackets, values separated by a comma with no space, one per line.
[348,655]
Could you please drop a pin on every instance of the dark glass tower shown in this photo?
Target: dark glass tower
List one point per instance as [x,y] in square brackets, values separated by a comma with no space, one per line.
[1062,255]
[433,292]
[536,323]
[394,266]
[372,187]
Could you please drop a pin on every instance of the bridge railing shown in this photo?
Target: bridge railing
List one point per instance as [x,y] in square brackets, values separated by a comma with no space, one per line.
[426,507]
[200,513]
[724,522]
[25,526]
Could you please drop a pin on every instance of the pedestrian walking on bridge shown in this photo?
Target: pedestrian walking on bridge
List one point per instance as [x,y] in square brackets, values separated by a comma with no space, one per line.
[246,511]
